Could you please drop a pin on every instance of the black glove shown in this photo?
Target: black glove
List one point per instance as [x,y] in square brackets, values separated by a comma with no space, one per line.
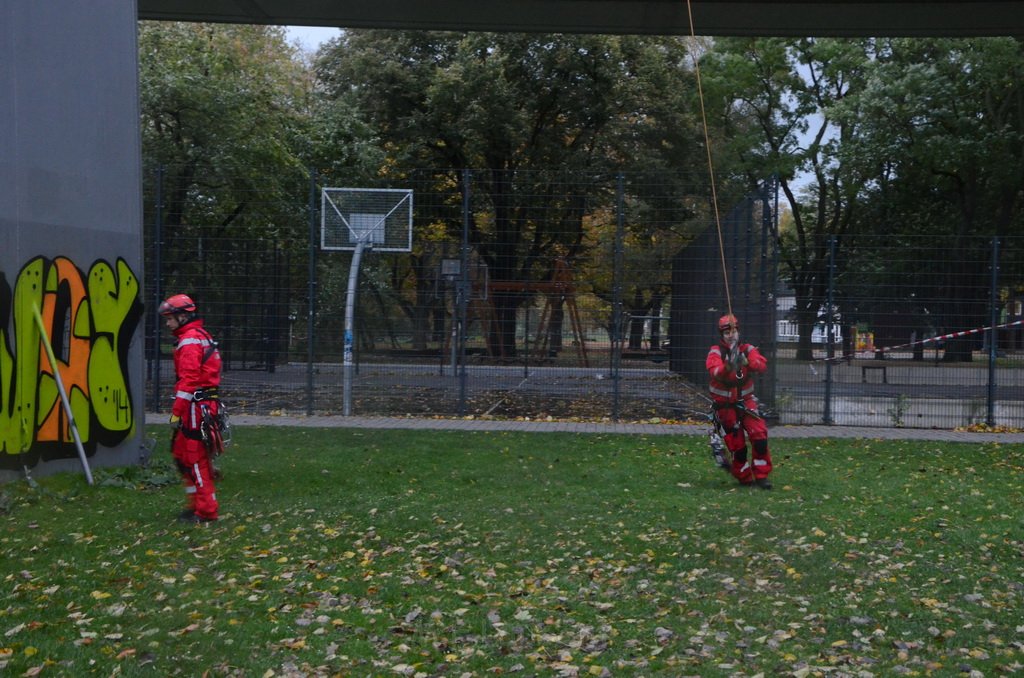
[737,360]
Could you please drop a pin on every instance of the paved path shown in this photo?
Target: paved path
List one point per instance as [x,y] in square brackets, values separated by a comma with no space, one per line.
[410,423]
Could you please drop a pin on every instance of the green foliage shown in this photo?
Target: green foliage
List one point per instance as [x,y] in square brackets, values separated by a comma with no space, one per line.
[916,140]
[226,134]
[899,409]
[449,553]
[549,120]
[775,99]
[515,101]
[220,96]
[910,139]
[225,112]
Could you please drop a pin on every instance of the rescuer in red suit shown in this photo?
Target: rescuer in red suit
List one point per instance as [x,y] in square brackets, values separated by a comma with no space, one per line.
[197,367]
[731,365]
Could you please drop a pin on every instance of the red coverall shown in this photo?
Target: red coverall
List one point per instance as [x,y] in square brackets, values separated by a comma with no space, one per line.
[729,387]
[197,366]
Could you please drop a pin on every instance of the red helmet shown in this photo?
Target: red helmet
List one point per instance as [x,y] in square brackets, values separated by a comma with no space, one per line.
[179,303]
[728,322]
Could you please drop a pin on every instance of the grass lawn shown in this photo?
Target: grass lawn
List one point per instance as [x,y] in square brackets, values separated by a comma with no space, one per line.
[382,553]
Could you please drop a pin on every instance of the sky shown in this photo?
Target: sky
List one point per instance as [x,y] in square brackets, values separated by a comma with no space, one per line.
[310,37]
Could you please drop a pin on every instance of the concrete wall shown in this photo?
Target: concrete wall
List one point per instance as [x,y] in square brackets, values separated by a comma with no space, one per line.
[70,232]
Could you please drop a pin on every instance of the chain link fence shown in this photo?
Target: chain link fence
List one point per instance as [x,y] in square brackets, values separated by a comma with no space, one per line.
[548,294]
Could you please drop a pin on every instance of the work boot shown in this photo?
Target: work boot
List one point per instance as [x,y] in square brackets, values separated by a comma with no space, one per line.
[186,516]
[763,483]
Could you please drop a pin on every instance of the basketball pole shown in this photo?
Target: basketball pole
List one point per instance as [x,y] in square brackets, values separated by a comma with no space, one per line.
[350,313]
[357,219]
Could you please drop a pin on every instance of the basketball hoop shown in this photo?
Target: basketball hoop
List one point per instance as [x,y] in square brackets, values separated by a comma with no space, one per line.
[355,219]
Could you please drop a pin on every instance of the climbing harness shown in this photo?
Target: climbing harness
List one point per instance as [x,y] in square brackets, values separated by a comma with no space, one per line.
[716,439]
[214,428]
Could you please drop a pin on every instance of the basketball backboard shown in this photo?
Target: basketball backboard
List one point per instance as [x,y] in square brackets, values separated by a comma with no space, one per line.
[378,218]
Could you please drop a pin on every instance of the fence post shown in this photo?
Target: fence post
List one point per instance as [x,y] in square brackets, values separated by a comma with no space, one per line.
[311,291]
[616,338]
[465,289]
[830,349]
[158,242]
[993,334]
[768,276]
[526,342]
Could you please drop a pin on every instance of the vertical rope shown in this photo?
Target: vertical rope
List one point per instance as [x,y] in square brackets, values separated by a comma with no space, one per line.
[711,167]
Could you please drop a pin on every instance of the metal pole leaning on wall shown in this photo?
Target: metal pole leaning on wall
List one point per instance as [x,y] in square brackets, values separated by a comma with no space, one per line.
[993,335]
[63,392]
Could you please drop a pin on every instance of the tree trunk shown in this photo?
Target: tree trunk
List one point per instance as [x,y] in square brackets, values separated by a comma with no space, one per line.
[656,324]
[556,326]
[805,322]
[420,317]
[501,340]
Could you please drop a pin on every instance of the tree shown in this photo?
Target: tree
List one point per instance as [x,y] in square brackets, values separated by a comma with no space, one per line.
[915,144]
[941,134]
[221,106]
[774,100]
[550,118]
[223,109]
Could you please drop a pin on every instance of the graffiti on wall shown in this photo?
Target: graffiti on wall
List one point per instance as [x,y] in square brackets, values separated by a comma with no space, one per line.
[90,320]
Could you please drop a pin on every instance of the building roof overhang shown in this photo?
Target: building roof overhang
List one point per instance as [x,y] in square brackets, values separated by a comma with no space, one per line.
[818,18]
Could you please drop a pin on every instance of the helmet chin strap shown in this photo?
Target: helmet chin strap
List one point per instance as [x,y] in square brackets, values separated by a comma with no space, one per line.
[182,319]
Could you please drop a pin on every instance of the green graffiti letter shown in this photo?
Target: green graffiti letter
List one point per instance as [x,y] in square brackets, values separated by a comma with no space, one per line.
[112,297]
[18,400]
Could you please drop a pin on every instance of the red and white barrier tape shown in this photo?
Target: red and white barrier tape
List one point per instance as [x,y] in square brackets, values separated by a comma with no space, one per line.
[951,335]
